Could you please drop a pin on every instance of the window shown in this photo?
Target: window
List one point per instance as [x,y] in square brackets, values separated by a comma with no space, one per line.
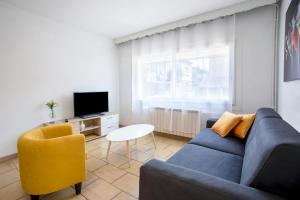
[190,76]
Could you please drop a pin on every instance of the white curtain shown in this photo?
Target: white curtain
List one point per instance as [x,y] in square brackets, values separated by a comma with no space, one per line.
[188,69]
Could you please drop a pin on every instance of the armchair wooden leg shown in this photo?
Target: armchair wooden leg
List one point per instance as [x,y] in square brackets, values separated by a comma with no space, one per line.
[34,197]
[78,188]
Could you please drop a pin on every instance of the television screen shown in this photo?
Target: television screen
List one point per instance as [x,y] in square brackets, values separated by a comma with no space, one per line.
[90,103]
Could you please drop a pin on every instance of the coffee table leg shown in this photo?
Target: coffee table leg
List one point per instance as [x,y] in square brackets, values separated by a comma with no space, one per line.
[109,144]
[153,139]
[128,152]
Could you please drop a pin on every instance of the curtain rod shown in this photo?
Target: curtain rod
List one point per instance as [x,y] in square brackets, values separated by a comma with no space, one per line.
[203,18]
[178,28]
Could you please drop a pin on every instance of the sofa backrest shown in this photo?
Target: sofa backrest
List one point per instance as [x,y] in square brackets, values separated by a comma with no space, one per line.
[261,114]
[272,155]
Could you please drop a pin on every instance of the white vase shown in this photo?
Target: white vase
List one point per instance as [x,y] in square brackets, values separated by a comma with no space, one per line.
[82,126]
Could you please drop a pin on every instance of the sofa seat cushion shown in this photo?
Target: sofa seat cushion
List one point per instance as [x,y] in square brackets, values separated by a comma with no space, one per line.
[208,138]
[210,161]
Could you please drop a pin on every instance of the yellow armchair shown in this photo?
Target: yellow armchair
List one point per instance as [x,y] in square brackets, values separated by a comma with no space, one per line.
[51,158]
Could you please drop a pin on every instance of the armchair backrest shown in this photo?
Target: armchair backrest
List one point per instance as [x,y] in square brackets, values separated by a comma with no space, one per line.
[51,158]
[35,134]
[57,130]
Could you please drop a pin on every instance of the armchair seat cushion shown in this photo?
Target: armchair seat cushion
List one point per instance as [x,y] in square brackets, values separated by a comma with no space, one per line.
[208,138]
[210,161]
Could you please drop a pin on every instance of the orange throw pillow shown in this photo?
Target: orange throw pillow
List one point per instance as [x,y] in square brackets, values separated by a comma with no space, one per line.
[226,123]
[242,128]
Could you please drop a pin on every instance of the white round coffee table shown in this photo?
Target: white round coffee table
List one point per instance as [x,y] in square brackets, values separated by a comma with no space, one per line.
[129,133]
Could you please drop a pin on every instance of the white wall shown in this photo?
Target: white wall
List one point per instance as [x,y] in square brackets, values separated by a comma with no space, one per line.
[125,75]
[254,82]
[288,92]
[255,49]
[40,60]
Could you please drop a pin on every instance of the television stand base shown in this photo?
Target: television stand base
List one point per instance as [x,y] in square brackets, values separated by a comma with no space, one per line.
[93,126]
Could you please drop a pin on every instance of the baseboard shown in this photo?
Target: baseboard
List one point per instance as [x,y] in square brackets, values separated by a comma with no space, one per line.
[5,158]
[165,134]
[172,136]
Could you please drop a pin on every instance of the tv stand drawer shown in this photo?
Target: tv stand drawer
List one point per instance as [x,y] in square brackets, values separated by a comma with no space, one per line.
[109,119]
[109,123]
[106,130]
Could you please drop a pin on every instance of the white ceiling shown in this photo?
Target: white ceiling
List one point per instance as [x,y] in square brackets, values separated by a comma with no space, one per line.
[117,18]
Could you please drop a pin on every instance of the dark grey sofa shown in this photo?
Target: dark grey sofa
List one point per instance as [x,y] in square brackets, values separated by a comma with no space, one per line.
[265,166]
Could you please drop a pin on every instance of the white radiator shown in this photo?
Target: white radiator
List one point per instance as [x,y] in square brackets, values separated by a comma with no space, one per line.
[176,122]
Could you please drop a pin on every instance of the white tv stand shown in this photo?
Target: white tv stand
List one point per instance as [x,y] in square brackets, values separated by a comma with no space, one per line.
[94,126]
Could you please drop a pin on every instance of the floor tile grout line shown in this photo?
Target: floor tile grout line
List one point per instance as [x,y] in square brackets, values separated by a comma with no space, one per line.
[116,195]
[10,184]
[84,197]
[119,177]
[106,163]
[151,148]
[131,195]
[127,194]
[90,182]
[7,171]
[171,152]
[111,184]
[113,180]
[116,165]
[121,188]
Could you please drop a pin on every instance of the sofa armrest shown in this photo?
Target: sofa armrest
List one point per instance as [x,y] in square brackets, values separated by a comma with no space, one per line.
[162,180]
[210,122]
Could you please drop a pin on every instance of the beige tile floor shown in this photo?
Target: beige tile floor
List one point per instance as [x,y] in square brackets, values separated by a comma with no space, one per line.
[106,179]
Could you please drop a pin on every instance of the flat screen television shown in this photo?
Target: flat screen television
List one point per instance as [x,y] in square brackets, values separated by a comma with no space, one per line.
[90,103]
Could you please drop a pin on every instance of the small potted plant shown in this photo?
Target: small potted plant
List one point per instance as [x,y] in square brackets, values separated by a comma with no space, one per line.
[51,105]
